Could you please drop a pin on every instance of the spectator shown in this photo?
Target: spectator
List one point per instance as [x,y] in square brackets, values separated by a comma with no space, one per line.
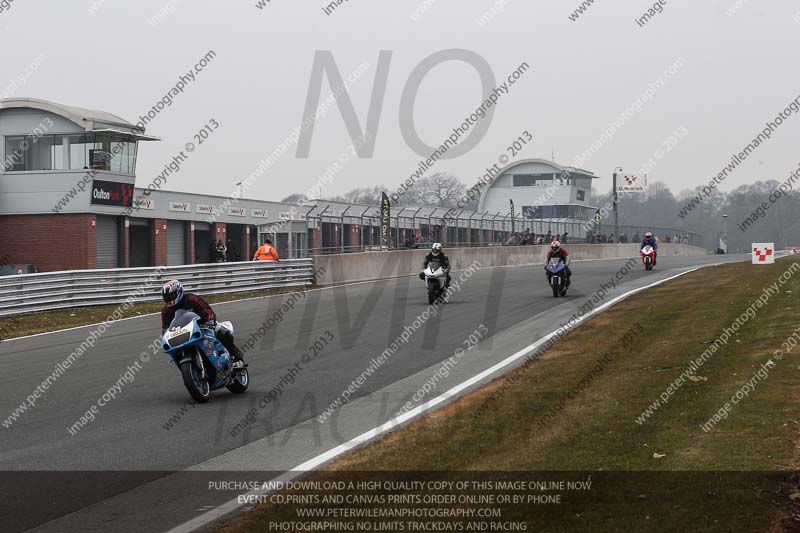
[610,238]
[635,237]
[564,238]
[549,237]
[266,252]
[221,252]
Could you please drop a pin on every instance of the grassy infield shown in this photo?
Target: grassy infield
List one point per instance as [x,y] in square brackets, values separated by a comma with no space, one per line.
[666,474]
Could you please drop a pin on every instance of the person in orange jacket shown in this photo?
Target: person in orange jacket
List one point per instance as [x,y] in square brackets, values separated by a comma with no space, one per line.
[266,252]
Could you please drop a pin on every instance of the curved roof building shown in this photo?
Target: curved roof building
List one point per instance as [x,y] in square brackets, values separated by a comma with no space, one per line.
[541,189]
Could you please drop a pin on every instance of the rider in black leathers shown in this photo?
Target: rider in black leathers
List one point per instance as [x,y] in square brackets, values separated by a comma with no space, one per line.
[436,255]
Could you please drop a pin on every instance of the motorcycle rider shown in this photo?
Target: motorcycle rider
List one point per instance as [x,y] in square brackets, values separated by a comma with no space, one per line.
[436,255]
[556,250]
[649,240]
[175,298]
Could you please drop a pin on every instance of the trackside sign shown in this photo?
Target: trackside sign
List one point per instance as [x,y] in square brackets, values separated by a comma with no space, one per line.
[763,253]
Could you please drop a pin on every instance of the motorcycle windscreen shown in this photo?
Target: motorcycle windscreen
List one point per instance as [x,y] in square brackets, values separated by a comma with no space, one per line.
[183,318]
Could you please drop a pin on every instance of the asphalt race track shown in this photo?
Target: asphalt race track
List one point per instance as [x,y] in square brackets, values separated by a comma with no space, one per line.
[91,480]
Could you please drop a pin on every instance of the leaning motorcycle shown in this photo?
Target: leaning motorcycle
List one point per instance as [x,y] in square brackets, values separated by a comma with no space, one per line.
[648,257]
[204,362]
[435,277]
[556,272]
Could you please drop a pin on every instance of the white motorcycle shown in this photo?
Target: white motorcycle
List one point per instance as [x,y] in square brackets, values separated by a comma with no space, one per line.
[435,279]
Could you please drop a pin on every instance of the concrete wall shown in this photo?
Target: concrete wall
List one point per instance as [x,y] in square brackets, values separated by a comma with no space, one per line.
[345,268]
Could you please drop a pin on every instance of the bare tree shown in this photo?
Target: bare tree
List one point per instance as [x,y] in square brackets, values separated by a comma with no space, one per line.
[295,198]
[440,190]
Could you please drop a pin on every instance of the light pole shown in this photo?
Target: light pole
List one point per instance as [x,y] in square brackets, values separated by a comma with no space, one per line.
[616,201]
[725,232]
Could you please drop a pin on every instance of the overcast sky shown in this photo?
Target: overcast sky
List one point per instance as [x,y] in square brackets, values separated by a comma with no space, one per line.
[740,71]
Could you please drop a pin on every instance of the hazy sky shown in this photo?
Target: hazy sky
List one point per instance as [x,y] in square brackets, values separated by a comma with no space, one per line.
[739,71]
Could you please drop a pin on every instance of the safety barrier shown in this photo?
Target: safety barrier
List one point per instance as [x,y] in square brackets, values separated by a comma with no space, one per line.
[344,268]
[28,293]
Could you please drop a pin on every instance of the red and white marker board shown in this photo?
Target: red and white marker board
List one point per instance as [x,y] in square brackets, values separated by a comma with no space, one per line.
[763,253]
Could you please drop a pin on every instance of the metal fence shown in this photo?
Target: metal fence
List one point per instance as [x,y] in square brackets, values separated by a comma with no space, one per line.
[484,230]
[28,293]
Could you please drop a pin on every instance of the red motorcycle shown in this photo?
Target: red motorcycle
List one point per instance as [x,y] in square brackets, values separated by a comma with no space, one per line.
[648,257]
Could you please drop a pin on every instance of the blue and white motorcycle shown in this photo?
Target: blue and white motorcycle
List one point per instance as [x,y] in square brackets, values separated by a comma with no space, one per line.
[204,362]
[557,276]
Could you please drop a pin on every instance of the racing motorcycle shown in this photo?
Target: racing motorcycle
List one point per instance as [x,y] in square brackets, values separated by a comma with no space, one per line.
[648,257]
[204,362]
[556,272]
[435,277]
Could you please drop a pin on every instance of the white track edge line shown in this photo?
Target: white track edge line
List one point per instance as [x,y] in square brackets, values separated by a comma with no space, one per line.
[325,457]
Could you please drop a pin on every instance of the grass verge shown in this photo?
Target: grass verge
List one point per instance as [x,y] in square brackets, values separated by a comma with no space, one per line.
[29,324]
[578,412]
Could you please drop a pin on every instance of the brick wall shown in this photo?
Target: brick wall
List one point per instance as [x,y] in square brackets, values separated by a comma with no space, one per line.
[50,242]
[219,232]
[316,238]
[159,228]
[126,243]
[248,238]
[190,243]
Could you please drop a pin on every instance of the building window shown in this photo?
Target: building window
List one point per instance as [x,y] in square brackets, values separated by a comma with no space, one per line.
[15,154]
[112,152]
[582,183]
[532,180]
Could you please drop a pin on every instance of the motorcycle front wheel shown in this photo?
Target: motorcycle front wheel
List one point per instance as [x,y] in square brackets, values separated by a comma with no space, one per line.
[240,382]
[198,386]
[556,288]
[433,293]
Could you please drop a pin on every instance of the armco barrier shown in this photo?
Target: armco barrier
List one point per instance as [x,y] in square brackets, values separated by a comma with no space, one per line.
[83,288]
[345,268]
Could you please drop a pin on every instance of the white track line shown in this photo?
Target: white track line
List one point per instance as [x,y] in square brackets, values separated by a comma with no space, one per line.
[226,508]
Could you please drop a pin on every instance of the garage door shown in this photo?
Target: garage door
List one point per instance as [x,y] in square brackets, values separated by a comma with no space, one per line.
[107,232]
[176,242]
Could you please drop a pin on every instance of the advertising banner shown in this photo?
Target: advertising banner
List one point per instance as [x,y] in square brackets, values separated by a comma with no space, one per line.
[386,211]
[112,193]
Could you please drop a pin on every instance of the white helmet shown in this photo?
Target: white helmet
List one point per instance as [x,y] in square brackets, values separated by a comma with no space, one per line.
[436,248]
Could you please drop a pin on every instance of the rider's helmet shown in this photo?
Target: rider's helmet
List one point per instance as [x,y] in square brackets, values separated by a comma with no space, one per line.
[436,249]
[648,235]
[555,245]
[172,292]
